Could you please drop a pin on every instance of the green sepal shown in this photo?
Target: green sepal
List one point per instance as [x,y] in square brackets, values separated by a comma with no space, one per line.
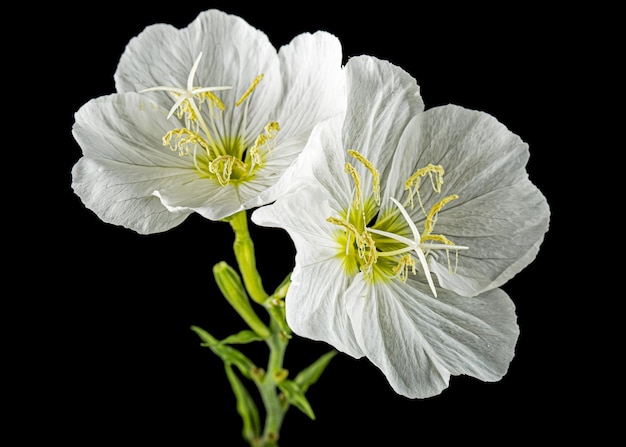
[281,290]
[232,288]
[277,310]
[309,375]
[228,354]
[245,406]
[243,337]
[295,396]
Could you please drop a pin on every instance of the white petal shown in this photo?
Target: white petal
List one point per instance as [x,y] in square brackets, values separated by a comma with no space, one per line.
[233,54]
[321,161]
[121,194]
[314,302]
[303,215]
[314,83]
[500,215]
[128,129]
[418,341]
[382,98]
[503,230]
[204,196]
[315,305]
[124,161]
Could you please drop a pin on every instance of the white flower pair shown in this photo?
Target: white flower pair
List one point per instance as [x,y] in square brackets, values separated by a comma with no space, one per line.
[405,221]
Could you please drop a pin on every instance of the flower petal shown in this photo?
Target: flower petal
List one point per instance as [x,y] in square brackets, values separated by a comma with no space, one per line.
[121,194]
[233,54]
[314,83]
[124,161]
[321,161]
[382,98]
[418,341]
[314,304]
[500,215]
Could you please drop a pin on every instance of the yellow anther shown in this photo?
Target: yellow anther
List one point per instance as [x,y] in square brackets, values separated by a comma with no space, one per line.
[212,100]
[349,169]
[184,109]
[271,129]
[402,269]
[431,217]
[437,238]
[347,225]
[368,252]
[435,172]
[249,91]
[375,174]
[185,141]
[222,167]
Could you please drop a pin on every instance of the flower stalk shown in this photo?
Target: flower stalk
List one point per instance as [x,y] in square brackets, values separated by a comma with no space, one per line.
[276,390]
[244,252]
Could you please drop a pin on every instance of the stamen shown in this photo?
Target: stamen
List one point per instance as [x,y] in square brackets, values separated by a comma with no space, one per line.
[402,269]
[349,169]
[373,171]
[366,248]
[248,92]
[184,141]
[226,163]
[431,217]
[435,172]
[271,129]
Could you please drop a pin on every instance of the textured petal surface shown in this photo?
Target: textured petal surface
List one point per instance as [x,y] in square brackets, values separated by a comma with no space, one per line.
[382,98]
[233,54]
[124,162]
[419,341]
[314,304]
[311,69]
[499,214]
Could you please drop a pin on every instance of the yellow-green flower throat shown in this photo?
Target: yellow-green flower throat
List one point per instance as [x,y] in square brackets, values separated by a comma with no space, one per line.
[385,246]
[227,158]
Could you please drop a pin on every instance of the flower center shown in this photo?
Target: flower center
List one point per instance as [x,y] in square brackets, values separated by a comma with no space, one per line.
[225,157]
[389,246]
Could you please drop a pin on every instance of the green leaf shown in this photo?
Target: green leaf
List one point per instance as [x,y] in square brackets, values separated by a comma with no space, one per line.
[295,396]
[245,336]
[309,375]
[245,406]
[228,354]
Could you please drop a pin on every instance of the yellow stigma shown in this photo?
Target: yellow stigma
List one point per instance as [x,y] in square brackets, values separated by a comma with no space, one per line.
[220,150]
[389,245]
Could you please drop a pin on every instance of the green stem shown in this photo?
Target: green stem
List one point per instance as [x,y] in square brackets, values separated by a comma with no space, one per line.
[244,252]
[276,405]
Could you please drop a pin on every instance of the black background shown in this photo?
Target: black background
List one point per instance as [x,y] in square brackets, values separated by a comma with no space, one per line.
[108,354]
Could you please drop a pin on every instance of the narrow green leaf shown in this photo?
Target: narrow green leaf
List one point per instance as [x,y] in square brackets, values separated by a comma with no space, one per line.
[296,397]
[245,406]
[245,336]
[228,354]
[309,375]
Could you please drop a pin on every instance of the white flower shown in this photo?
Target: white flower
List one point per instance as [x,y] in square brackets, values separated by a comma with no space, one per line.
[405,224]
[205,119]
